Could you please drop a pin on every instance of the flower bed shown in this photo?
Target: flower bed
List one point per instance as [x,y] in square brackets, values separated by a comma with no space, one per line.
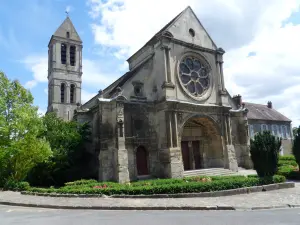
[159,186]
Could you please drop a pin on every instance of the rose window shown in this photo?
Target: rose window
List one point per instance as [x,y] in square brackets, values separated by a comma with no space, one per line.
[194,75]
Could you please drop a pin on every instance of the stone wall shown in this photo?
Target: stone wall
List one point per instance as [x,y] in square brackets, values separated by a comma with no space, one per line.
[140,130]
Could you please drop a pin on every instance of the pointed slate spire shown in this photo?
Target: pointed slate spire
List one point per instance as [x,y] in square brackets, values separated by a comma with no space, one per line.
[67,30]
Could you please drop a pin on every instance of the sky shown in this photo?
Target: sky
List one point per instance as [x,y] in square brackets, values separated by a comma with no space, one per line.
[261,39]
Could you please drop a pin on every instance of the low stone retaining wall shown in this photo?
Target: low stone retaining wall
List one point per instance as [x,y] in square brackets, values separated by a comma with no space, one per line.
[237,191]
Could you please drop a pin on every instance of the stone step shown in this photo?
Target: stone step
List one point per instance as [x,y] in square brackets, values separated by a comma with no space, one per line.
[209,172]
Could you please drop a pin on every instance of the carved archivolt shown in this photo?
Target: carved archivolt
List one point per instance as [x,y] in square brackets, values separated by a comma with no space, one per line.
[211,127]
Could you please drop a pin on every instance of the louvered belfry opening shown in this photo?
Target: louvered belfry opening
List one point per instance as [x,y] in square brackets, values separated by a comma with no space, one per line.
[62,92]
[72,93]
[72,55]
[63,53]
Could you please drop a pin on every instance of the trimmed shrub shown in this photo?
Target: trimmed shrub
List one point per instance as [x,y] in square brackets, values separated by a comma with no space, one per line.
[296,145]
[16,186]
[287,162]
[80,182]
[287,158]
[264,149]
[184,186]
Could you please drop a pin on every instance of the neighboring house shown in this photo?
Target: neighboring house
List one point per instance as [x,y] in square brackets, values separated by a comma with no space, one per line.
[265,117]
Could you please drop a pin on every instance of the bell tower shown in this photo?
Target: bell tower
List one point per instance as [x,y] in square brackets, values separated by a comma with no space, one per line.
[64,70]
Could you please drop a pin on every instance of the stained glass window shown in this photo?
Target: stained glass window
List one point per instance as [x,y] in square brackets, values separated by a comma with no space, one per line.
[194,75]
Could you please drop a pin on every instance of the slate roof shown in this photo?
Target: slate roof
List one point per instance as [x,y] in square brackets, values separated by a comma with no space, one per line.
[262,112]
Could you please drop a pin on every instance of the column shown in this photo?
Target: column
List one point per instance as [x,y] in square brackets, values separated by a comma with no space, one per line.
[67,94]
[168,76]
[122,153]
[230,160]
[68,55]
[174,130]
[228,123]
[169,129]
[222,76]
[220,53]
[226,130]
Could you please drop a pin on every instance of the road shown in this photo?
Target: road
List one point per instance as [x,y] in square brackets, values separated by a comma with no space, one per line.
[38,216]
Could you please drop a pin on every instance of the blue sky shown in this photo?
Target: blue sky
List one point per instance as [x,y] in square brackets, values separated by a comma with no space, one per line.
[261,40]
[25,31]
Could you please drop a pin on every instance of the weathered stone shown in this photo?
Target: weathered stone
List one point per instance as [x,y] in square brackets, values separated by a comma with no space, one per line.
[155,120]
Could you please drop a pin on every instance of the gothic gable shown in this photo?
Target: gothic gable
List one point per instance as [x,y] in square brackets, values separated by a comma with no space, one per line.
[187,27]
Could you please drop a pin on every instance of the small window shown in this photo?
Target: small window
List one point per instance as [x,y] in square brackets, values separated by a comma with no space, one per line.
[68,34]
[275,130]
[72,93]
[284,131]
[63,53]
[137,91]
[192,32]
[62,93]
[72,55]
[264,127]
[251,131]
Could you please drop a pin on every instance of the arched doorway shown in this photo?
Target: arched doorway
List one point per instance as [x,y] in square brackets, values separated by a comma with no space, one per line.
[201,144]
[142,161]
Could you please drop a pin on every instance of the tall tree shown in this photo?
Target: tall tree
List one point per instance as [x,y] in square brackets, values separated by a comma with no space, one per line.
[70,160]
[21,144]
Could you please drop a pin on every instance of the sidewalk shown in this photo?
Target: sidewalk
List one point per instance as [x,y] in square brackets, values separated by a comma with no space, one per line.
[282,198]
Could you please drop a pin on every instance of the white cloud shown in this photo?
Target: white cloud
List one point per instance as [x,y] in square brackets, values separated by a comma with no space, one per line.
[239,26]
[41,112]
[128,24]
[273,74]
[37,64]
[30,84]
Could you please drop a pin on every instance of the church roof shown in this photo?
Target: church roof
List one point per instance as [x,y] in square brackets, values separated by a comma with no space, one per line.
[262,112]
[67,26]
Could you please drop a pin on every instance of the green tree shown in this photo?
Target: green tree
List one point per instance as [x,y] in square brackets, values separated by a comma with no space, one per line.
[264,149]
[70,158]
[296,144]
[21,146]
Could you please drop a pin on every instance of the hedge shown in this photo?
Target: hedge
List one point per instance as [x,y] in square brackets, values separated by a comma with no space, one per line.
[288,167]
[178,186]
[287,158]
[16,186]
[287,162]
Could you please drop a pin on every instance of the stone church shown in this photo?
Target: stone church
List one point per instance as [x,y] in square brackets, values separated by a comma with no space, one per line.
[169,114]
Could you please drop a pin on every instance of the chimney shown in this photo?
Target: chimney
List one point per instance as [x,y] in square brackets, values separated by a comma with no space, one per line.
[269,105]
[237,100]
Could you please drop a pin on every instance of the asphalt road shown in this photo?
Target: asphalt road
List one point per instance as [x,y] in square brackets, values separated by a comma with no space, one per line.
[36,216]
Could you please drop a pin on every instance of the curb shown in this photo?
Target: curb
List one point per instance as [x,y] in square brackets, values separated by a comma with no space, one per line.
[237,191]
[142,208]
[147,208]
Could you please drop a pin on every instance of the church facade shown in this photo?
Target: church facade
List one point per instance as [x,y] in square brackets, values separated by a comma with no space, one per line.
[170,113]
